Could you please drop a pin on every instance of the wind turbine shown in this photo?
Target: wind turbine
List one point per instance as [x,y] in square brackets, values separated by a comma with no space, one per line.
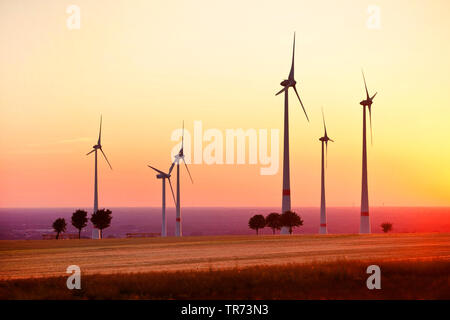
[178,157]
[364,226]
[98,146]
[163,176]
[286,194]
[323,214]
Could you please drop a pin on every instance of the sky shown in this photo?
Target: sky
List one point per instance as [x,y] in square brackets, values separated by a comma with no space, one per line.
[146,66]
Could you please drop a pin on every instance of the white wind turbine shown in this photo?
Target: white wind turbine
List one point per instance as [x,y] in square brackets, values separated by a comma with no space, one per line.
[163,176]
[179,157]
[364,226]
[286,194]
[98,146]
[323,214]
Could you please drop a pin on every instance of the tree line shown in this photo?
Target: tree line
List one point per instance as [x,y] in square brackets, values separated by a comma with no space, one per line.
[275,221]
[289,219]
[101,219]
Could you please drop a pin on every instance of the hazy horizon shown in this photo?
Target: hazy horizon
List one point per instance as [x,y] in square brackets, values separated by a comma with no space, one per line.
[31,223]
[218,206]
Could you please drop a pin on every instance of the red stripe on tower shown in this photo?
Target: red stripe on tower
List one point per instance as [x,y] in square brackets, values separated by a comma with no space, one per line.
[178,219]
[323,224]
[286,192]
[364,214]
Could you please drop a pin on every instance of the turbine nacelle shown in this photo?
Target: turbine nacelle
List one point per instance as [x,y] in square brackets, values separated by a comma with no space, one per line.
[325,139]
[288,83]
[178,157]
[367,102]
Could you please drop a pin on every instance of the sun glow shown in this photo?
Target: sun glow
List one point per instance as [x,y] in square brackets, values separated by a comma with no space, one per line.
[147,66]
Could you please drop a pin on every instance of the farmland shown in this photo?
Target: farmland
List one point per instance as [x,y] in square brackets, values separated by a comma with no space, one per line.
[157,263]
[39,258]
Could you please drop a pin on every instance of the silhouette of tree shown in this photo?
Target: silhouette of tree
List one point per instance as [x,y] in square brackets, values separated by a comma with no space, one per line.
[273,221]
[101,220]
[59,225]
[79,220]
[257,222]
[291,220]
[386,226]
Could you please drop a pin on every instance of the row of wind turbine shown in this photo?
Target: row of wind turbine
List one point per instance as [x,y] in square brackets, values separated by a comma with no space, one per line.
[161,175]
[286,190]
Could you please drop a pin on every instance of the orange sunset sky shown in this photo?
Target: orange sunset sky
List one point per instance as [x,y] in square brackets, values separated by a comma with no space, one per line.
[147,65]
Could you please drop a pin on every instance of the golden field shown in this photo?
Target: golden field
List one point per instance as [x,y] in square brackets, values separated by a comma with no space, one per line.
[48,258]
[341,279]
[413,266]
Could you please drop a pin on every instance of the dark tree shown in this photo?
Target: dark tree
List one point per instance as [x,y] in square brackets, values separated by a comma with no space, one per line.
[386,226]
[101,220]
[79,220]
[257,222]
[273,221]
[291,220]
[59,226]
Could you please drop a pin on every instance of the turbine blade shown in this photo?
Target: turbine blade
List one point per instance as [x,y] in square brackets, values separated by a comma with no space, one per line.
[100,132]
[173,194]
[295,89]
[171,167]
[370,120]
[182,138]
[373,96]
[90,152]
[282,90]
[324,125]
[188,170]
[291,73]
[106,158]
[365,85]
[156,170]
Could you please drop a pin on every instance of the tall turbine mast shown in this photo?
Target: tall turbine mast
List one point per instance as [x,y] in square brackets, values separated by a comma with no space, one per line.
[364,226]
[163,176]
[98,146]
[286,191]
[179,157]
[323,215]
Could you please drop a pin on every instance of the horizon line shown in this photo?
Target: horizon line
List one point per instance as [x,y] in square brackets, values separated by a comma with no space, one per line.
[219,206]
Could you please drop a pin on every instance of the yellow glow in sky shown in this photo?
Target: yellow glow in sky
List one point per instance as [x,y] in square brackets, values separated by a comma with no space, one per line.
[148,65]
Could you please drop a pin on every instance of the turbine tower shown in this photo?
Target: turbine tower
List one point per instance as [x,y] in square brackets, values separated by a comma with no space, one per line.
[364,226]
[286,193]
[178,157]
[163,176]
[98,146]
[323,213]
